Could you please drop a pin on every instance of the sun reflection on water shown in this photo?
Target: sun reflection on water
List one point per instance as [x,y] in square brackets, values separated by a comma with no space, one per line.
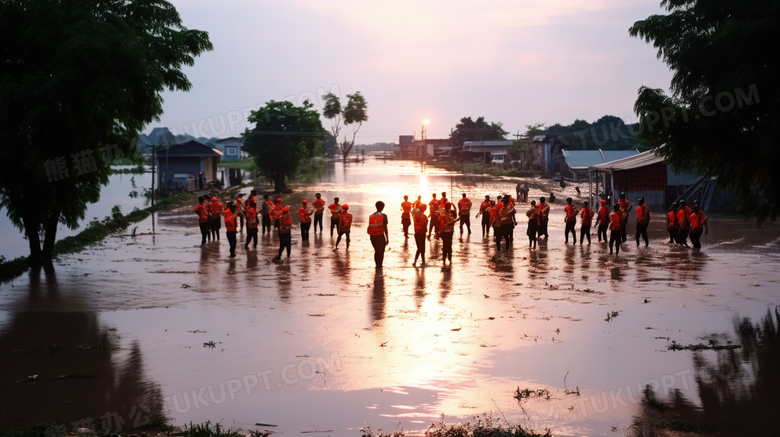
[423,181]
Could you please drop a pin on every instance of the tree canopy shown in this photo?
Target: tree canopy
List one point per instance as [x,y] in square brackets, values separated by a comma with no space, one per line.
[355,113]
[284,136]
[722,117]
[479,130]
[79,80]
[608,133]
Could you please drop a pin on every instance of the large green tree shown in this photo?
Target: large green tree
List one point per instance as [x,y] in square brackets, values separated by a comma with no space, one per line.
[355,113]
[722,118]
[284,136]
[79,79]
[477,130]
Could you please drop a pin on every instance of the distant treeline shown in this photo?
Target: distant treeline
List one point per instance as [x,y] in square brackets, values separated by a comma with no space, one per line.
[608,133]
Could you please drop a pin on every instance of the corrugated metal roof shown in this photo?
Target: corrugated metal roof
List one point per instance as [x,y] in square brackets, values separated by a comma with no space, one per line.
[582,159]
[487,143]
[614,155]
[643,159]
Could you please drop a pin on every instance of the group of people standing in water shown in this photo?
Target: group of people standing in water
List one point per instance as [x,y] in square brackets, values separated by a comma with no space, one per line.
[438,217]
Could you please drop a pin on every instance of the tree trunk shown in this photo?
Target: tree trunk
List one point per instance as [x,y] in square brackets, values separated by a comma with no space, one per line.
[50,235]
[279,185]
[31,231]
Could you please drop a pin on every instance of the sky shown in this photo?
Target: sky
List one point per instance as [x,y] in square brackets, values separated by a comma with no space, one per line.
[516,62]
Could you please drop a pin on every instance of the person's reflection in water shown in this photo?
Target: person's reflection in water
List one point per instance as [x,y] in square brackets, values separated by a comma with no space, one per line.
[568,259]
[284,280]
[341,267]
[585,255]
[419,287]
[738,389]
[378,297]
[231,267]
[251,266]
[446,284]
[642,261]
[616,274]
[537,264]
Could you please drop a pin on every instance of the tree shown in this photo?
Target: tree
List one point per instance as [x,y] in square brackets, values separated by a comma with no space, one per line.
[79,80]
[533,130]
[722,117]
[479,130]
[284,136]
[356,112]
[608,132]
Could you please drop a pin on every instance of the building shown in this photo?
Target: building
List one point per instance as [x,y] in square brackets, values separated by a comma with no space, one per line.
[549,151]
[231,148]
[577,162]
[488,149]
[406,146]
[191,158]
[423,149]
[643,175]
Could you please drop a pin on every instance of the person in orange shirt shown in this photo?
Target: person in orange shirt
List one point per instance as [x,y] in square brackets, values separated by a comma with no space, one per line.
[702,216]
[586,218]
[418,202]
[464,211]
[533,224]
[642,220]
[207,205]
[406,215]
[625,208]
[240,211]
[420,227]
[544,217]
[251,222]
[495,222]
[570,219]
[305,213]
[683,224]
[345,225]
[698,225]
[215,208]
[203,219]
[377,229]
[334,209]
[433,214]
[265,212]
[616,229]
[504,212]
[696,228]
[230,227]
[602,221]
[671,223]
[448,219]
[285,232]
[319,209]
[485,217]
[276,212]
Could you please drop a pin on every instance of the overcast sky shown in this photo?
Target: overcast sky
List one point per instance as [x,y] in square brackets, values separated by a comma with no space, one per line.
[517,62]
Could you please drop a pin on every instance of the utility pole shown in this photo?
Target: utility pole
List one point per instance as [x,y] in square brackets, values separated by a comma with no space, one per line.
[154,167]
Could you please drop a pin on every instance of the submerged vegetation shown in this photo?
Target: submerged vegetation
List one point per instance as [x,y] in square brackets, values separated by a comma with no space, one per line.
[485,427]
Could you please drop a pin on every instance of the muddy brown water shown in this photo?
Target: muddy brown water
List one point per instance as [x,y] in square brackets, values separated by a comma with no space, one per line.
[322,342]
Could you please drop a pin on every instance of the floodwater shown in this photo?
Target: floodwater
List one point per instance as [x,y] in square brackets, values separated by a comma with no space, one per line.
[323,343]
[116,193]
